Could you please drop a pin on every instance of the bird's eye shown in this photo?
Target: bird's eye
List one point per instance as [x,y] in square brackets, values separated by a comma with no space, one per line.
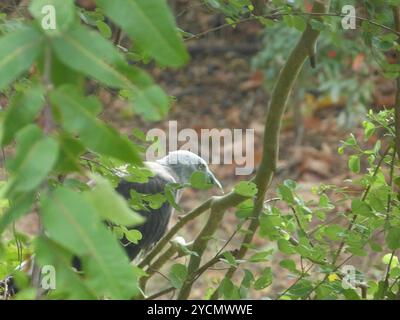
[201,166]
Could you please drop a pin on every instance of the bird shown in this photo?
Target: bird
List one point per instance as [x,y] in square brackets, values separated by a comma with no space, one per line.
[175,168]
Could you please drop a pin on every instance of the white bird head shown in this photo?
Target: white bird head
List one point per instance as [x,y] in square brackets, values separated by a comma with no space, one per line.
[184,163]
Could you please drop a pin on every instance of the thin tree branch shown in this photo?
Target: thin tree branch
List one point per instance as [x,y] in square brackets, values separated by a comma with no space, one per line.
[275,16]
[156,266]
[280,95]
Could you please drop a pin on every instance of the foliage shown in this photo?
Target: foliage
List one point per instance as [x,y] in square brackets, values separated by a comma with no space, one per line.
[49,150]
[60,143]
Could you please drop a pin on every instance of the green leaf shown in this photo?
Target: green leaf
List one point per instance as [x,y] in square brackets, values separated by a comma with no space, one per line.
[247,279]
[290,265]
[360,207]
[138,174]
[89,53]
[325,203]
[170,190]
[151,25]
[151,103]
[351,294]
[71,221]
[334,232]
[22,110]
[20,205]
[393,238]
[230,258]
[36,156]
[226,288]
[299,23]
[265,280]
[369,129]
[244,209]
[70,151]
[375,246]
[18,50]
[301,288]
[68,282]
[178,275]
[394,260]
[354,163]
[133,236]
[285,246]
[357,251]
[261,256]
[269,224]
[104,29]
[155,201]
[110,205]
[64,13]
[317,25]
[395,272]
[77,117]
[246,189]
[200,180]
[286,194]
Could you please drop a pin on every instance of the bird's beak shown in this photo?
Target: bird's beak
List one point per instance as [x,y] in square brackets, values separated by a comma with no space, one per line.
[215,181]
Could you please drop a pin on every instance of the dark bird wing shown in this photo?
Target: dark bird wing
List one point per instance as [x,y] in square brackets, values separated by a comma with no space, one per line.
[157,220]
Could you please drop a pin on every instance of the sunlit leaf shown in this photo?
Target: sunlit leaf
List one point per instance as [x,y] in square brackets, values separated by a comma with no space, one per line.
[64,13]
[18,50]
[71,221]
[23,109]
[77,117]
[151,25]
[110,205]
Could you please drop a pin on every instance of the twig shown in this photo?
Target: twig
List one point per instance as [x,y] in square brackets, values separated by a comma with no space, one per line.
[152,269]
[303,274]
[386,281]
[161,293]
[298,13]
[301,226]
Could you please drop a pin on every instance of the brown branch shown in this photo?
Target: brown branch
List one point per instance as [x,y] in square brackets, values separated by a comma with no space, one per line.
[280,95]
